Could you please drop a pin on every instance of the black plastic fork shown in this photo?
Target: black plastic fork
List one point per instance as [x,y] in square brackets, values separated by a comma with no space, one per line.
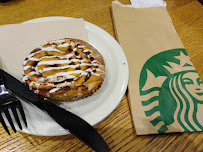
[9,101]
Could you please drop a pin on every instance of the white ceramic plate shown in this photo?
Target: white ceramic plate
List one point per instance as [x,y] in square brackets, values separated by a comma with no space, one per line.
[96,107]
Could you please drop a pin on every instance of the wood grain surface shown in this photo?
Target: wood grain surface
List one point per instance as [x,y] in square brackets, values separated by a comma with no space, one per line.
[117,129]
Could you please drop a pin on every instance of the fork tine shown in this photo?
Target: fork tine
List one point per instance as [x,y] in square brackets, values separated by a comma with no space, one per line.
[9,119]
[4,124]
[13,109]
[19,105]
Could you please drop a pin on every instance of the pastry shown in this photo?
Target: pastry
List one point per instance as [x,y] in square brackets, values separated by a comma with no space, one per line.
[64,70]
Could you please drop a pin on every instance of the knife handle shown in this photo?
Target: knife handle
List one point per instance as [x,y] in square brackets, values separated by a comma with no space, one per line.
[74,124]
[1,78]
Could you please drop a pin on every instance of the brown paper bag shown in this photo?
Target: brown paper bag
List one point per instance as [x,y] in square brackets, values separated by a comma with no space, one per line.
[165,91]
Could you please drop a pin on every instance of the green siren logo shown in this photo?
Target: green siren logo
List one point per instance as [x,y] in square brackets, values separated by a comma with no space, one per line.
[172,92]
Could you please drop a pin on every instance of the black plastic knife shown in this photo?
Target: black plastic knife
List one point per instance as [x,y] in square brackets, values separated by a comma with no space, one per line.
[69,121]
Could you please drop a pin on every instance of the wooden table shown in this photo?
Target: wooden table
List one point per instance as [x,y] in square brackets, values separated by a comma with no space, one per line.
[117,129]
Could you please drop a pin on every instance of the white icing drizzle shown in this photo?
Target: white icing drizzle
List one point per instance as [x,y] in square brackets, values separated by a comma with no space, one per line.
[67,66]
[63,45]
[81,46]
[86,50]
[61,85]
[60,77]
[25,78]
[72,43]
[51,49]
[30,55]
[26,67]
[92,73]
[30,85]
[33,59]
[36,91]
[33,72]
[54,90]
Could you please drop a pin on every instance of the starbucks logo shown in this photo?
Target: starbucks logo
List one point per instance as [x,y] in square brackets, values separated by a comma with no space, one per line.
[171,91]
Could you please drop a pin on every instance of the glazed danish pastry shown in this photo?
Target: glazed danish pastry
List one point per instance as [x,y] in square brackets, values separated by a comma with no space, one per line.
[64,70]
